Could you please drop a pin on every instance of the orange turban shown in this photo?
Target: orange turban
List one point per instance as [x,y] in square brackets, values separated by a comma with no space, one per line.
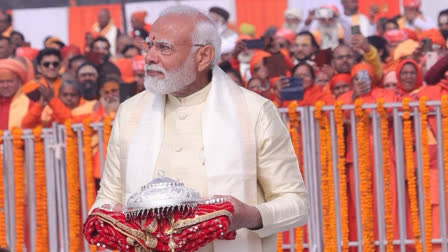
[412,3]
[405,49]
[125,66]
[140,16]
[15,67]
[394,36]
[419,77]
[26,52]
[257,57]
[362,66]
[343,77]
[286,34]
[70,49]
[138,63]
[434,35]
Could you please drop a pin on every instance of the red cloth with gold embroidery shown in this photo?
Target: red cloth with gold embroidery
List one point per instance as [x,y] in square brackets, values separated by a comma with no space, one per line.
[183,232]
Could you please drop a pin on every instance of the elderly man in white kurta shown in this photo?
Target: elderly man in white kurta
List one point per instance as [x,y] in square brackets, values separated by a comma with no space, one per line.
[199,127]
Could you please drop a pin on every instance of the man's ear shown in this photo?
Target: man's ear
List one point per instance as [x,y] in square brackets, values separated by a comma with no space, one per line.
[204,57]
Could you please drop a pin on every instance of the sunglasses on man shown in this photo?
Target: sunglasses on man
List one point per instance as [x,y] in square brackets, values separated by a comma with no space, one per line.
[54,64]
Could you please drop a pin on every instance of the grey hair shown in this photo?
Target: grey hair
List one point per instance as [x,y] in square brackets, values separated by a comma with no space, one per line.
[73,83]
[205,31]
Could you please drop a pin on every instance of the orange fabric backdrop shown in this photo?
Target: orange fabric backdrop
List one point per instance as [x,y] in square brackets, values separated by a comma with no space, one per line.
[391,7]
[260,13]
[82,18]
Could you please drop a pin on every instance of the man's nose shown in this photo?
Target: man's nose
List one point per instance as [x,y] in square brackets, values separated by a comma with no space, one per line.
[152,56]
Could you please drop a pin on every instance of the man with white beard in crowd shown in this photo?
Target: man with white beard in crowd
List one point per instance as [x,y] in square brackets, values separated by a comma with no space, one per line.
[329,32]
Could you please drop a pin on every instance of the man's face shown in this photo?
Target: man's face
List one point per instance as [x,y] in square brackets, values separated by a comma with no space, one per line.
[103,18]
[50,66]
[130,53]
[303,48]
[87,73]
[102,48]
[5,49]
[350,6]
[110,91]
[343,59]
[408,77]
[303,72]
[139,77]
[390,81]
[170,65]
[322,79]
[410,13]
[443,24]
[340,88]
[390,26]
[4,24]
[16,40]
[69,96]
[261,71]
[75,66]
[9,83]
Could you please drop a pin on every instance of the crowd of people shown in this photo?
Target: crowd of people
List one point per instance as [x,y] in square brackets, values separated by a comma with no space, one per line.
[331,55]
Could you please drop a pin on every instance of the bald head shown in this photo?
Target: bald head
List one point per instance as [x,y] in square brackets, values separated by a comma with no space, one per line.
[103,18]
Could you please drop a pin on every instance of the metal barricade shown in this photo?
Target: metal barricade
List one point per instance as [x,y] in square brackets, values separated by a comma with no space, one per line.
[57,193]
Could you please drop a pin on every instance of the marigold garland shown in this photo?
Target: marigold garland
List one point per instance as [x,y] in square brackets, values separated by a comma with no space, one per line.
[2,203]
[293,127]
[339,120]
[426,176]
[74,209]
[365,176]
[279,242]
[88,162]
[19,187]
[387,190]
[410,173]
[40,191]
[444,110]
[107,129]
[329,221]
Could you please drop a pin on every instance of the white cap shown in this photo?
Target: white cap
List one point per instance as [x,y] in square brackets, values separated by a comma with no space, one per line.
[294,13]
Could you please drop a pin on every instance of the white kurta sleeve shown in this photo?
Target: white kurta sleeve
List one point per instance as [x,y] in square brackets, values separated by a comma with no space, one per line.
[110,190]
[287,202]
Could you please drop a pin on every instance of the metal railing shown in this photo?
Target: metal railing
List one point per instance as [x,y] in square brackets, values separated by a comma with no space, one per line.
[56,180]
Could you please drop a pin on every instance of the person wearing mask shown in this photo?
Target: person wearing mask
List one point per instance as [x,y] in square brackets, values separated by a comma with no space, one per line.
[14,104]
[106,28]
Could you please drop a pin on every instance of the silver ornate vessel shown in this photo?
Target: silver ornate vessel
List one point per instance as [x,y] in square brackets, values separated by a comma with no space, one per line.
[160,198]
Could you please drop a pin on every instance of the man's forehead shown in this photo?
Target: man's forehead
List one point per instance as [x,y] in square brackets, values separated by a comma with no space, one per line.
[172,27]
[342,50]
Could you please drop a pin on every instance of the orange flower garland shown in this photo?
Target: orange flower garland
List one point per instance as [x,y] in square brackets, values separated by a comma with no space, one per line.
[365,175]
[2,205]
[410,173]
[444,110]
[19,187]
[386,173]
[279,242]
[107,130]
[329,222]
[426,177]
[339,120]
[74,209]
[88,162]
[293,127]
[41,192]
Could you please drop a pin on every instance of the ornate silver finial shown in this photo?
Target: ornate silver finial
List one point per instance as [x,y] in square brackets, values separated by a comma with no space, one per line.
[160,197]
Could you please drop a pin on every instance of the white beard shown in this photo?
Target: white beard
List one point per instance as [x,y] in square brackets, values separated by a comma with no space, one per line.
[329,36]
[172,82]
